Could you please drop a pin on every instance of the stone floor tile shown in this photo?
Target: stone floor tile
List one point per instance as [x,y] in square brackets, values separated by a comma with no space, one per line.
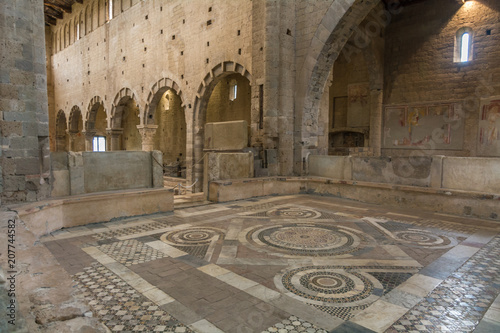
[332,263]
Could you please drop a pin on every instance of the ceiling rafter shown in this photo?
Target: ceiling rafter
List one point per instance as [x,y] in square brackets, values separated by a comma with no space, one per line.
[59,7]
[55,9]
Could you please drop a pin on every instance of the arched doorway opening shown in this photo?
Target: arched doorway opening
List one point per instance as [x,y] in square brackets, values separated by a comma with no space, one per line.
[77,140]
[165,127]
[230,100]
[95,127]
[215,92]
[170,136]
[124,121]
[61,134]
[340,22]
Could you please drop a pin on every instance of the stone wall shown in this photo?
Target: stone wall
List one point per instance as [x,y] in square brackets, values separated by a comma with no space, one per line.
[420,67]
[24,158]
[441,172]
[89,172]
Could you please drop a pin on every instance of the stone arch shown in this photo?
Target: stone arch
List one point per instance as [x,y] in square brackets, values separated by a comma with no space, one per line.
[94,105]
[102,12]
[61,134]
[335,29]
[194,153]
[88,19]
[125,117]
[121,98]
[95,15]
[75,117]
[157,90]
[167,125]
[81,22]
[95,124]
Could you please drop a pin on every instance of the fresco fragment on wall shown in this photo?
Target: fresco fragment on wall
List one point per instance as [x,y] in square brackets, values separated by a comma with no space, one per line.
[489,128]
[358,105]
[427,126]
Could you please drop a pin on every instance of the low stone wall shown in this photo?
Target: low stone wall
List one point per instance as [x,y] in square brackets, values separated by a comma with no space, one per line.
[221,166]
[456,202]
[459,173]
[90,172]
[44,217]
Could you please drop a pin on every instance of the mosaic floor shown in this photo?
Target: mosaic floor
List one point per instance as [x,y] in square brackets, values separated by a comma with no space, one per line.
[287,264]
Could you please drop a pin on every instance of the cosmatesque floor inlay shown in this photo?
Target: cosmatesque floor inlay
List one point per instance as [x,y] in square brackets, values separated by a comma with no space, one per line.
[120,307]
[286,264]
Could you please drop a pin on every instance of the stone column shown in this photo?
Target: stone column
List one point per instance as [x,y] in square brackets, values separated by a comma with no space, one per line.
[89,137]
[72,140]
[147,133]
[24,120]
[61,142]
[115,137]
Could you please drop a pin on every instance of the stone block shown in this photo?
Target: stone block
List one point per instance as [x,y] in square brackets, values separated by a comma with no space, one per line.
[14,183]
[335,167]
[157,167]
[11,128]
[27,166]
[229,135]
[60,183]
[59,161]
[25,142]
[117,170]
[472,174]
[400,170]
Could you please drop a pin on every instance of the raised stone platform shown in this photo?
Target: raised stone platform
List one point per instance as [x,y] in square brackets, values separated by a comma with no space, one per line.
[442,200]
[47,216]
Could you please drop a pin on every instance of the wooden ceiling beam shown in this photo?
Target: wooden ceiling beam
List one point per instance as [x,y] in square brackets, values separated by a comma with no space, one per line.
[59,7]
[50,20]
[59,15]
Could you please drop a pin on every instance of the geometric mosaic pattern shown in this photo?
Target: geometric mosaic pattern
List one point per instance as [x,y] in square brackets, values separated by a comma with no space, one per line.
[344,313]
[460,301]
[341,291]
[391,280]
[292,325]
[338,261]
[120,307]
[130,252]
[305,239]
[131,230]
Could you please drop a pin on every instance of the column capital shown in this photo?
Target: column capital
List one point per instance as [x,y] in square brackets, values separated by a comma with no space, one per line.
[147,133]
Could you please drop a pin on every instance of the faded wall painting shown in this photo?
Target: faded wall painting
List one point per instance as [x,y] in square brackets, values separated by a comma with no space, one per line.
[358,105]
[489,128]
[427,126]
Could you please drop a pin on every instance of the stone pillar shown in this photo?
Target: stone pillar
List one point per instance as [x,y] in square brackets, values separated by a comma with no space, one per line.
[24,156]
[148,134]
[72,140]
[61,142]
[114,134]
[376,111]
[89,137]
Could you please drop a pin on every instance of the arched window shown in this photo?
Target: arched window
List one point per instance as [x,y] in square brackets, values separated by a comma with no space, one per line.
[77,29]
[110,9]
[233,90]
[463,45]
[464,49]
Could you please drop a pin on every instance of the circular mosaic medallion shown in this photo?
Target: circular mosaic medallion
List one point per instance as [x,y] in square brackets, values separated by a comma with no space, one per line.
[293,212]
[327,285]
[423,238]
[305,239]
[193,236]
